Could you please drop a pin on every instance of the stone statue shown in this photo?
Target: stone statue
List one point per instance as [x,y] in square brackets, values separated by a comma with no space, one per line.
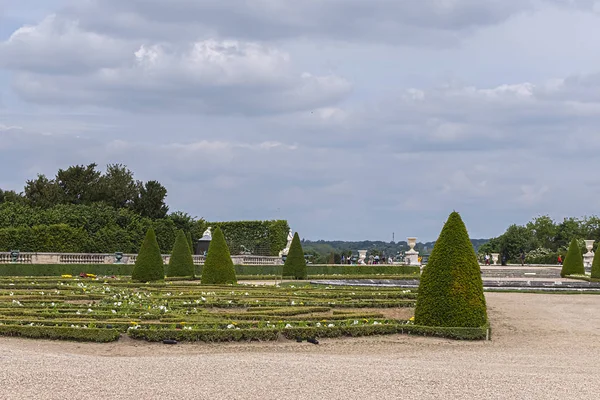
[207,235]
[288,245]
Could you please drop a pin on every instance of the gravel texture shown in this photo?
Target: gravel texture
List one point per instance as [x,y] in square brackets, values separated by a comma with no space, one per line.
[543,347]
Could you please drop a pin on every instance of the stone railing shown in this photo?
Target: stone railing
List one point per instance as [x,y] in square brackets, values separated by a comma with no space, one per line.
[93,258]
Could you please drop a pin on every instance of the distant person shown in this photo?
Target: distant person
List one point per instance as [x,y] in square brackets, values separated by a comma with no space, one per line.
[559,260]
[522,258]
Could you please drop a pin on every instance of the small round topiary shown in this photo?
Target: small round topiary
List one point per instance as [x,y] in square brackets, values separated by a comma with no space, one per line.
[451,290]
[181,263]
[295,264]
[573,264]
[149,264]
[218,268]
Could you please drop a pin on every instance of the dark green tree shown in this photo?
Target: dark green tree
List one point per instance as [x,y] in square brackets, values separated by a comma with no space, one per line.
[151,200]
[451,289]
[181,263]
[10,196]
[78,184]
[218,268]
[295,264]
[117,187]
[149,264]
[42,192]
[190,242]
[573,263]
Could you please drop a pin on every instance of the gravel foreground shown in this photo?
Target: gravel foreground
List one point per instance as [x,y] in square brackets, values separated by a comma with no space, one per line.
[543,347]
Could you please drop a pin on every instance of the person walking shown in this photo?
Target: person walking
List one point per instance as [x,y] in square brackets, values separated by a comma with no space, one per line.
[559,260]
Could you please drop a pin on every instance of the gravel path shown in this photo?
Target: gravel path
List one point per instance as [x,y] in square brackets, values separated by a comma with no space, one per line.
[544,347]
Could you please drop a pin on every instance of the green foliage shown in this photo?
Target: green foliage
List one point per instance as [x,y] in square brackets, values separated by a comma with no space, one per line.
[573,263]
[43,238]
[150,201]
[596,266]
[451,289]
[61,333]
[295,264]
[218,267]
[65,269]
[188,238]
[181,262]
[265,237]
[149,265]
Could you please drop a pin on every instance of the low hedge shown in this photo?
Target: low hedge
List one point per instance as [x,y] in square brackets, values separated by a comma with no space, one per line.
[247,271]
[229,335]
[61,333]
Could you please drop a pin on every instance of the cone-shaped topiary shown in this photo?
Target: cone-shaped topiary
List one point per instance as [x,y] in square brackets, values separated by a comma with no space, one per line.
[451,289]
[573,264]
[596,265]
[181,262]
[218,267]
[149,263]
[295,264]
[188,236]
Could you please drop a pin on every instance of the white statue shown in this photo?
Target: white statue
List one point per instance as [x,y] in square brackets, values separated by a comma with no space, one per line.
[288,245]
[207,235]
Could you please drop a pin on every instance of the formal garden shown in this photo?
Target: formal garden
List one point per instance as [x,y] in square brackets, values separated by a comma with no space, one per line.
[182,302]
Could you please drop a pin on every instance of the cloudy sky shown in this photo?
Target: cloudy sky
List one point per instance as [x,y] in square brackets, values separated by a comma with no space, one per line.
[352,119]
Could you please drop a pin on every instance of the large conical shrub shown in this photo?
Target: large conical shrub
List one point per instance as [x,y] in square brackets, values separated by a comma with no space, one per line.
[218,267]
[181,262]
[573,263]
[451,289]
[596,265]
[295,264]
[149,263]
[188,236]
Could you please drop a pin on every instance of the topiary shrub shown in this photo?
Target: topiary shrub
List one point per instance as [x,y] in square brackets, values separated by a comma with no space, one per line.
[149,263]
[295,264]
[451,290]
[218,267]
[573,263]
[181,262]
[188,236]
[596,265]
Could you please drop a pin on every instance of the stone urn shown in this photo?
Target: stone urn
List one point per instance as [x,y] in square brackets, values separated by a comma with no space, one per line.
[495,257]
[588,258]
[412,256]
[362,255]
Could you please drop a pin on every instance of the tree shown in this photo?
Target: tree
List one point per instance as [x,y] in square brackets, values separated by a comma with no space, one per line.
[42,192]
[151,200]
[181,262]
[295,264]
[451,290]
[10,196]
[514,241]
[573,263]
[218,268]
[149,264]
[117,187]
[544,231]
[78,184]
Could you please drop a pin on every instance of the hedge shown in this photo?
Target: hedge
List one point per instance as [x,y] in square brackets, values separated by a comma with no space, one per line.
[149,266]
[595,274]
[181,262]
[573,263]
[269,235]
[295,264]
[61,333]
[218,267]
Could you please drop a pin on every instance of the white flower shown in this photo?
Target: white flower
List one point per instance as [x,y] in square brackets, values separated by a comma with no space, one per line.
[330,325]
[318,324]
[288,326]
[90,310]
[355,322]
[376,323]
[230,326]
[114,311]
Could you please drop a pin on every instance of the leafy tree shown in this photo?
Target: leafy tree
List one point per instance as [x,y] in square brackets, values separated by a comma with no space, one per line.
[218,268]
[10,196]
[149,264]
[295,264]
[117,187]
[573,263]
[42,192]
[181,262]
[514,241]
[544,231]
[567,230]
[182,220]
[451,290]
[78,184]
[151,200]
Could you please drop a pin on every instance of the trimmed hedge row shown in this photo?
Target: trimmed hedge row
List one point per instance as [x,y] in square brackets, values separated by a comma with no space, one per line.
[61,333]
[228,335]
[314,271]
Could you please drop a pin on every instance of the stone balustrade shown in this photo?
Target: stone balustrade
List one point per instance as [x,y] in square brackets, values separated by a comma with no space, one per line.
[93,258]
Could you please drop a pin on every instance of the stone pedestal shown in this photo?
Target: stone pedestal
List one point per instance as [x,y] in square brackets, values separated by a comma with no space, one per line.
[495,257]
[412,256]
[588,257]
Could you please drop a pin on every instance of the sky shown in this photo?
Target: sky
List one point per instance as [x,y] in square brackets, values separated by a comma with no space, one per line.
[352,119]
